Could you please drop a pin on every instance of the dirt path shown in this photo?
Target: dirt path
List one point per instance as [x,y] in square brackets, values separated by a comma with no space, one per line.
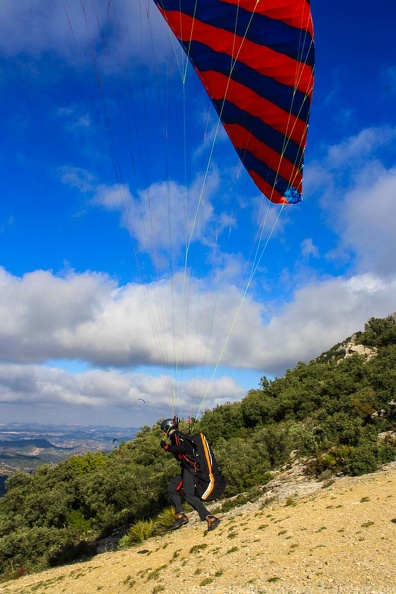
[311,538]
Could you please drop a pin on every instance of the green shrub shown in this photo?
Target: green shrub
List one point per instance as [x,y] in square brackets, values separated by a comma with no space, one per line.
[164,520]
[38,548]
[79,525]
[361,460]
[141,531]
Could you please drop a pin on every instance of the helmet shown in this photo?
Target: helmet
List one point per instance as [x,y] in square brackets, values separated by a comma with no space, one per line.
[169,424]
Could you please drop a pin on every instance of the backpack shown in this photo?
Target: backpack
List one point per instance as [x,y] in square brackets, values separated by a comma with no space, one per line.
[210,482]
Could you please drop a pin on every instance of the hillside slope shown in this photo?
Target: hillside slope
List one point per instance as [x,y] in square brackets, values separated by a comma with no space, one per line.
[300,537]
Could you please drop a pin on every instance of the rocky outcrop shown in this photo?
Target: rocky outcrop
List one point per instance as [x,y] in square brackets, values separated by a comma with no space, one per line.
[352,348]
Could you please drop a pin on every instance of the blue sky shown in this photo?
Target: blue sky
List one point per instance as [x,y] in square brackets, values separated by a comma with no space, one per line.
[112,163]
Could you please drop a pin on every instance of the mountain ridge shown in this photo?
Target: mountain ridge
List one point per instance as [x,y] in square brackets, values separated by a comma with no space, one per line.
[26,443]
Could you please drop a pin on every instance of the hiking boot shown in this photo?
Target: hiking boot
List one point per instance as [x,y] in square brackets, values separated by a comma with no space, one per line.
[180,521]
[213,522]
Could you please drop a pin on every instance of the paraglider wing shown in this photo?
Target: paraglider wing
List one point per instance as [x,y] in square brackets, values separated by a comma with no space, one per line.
[255,59]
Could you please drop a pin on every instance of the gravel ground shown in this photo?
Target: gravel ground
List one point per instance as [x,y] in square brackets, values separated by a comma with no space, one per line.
[301,537]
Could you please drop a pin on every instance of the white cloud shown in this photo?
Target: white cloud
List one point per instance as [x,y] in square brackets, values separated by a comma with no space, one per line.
[321,315]
[111,34]
[368,222]
[100,390]
[342,164]
[357,191]
[87,317]
[165,218]
[115,198]
[309,249]
[79,178]
[355,149]
[168,216]
[36,309]
[180,321]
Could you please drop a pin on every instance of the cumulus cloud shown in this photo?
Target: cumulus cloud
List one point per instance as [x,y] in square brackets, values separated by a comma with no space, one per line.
[357,191]
[100,389]
[368,222]
[322,314]
[354,150]
[165,218]
[36,309]
[112,34]
[87,317]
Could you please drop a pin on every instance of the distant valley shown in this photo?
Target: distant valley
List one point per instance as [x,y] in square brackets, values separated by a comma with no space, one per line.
[25,446]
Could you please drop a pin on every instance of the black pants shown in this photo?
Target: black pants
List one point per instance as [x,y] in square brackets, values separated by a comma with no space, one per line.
[188,493]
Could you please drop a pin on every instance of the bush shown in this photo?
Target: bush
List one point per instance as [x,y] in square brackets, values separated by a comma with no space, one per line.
[141,531]
[361,460]
[243,462]
[32,548]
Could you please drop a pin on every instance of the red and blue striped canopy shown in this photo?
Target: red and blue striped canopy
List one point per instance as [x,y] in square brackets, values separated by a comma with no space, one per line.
[256,60]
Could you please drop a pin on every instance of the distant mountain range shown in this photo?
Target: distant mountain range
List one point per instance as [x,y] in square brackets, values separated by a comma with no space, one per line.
[24,447]
[27,443]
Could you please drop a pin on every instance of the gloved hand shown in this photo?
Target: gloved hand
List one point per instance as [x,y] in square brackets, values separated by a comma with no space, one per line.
[164,445]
